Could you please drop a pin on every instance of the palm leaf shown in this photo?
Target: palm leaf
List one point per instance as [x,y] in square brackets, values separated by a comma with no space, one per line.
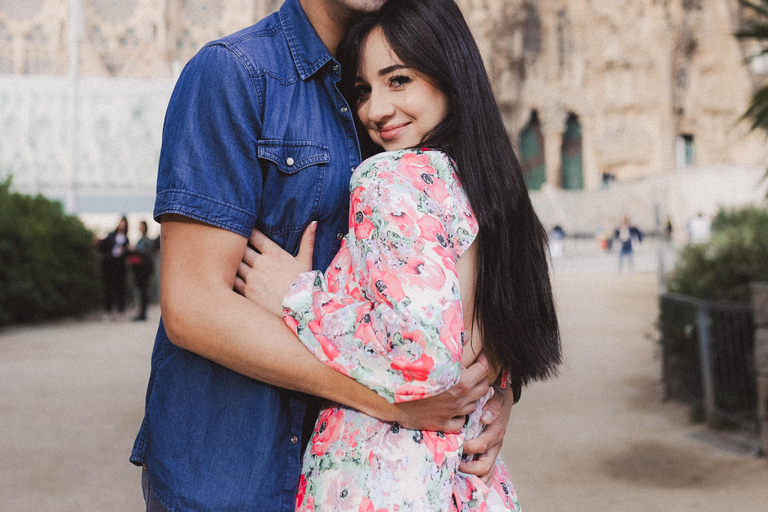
[761,8]
[753,30]
[758,110]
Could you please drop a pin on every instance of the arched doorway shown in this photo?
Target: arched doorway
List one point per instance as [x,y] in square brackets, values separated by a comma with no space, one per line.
[571,162]
[532,153]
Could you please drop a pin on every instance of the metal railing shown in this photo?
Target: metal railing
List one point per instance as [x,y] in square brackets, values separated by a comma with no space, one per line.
[708,357]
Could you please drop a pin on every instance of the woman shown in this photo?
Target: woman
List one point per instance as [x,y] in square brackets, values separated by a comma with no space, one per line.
[444,258]
[114,249]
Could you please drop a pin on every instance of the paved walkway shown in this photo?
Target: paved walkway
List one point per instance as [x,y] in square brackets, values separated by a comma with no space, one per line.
[597,439]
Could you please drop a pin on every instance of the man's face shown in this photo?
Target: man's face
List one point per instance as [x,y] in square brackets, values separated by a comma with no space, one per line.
[359,6]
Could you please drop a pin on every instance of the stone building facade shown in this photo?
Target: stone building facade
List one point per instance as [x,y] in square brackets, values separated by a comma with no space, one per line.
[603,90]
[591,90]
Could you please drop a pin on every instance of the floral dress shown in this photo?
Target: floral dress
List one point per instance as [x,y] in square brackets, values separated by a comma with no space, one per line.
[387,313]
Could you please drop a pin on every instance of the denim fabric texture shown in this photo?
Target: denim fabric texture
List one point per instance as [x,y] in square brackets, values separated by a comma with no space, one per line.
[256,134]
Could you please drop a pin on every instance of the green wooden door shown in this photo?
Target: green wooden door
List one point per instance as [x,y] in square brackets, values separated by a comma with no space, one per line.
[532,154]
[572,167]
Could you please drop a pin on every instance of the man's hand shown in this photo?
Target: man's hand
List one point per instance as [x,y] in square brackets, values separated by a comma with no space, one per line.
[447,411]
[486,446]
[266,274]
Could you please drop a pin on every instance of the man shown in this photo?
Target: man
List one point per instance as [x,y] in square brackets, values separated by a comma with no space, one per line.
[257,134]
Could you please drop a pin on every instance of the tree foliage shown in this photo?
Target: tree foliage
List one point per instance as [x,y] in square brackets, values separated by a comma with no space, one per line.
[724,267]
[48,262]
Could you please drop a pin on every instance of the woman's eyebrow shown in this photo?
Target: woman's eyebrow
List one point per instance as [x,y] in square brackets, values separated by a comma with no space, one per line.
[392,68]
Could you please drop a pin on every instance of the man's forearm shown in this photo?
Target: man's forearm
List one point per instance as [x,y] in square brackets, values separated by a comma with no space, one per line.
[238,334]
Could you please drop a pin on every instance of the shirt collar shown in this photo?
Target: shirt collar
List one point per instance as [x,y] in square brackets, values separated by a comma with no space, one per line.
[308,51]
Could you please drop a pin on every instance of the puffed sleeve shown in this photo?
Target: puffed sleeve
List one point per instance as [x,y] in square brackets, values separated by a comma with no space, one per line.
[209,168]
[399,330]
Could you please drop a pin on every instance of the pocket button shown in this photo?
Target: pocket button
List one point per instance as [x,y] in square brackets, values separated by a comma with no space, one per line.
[289,162]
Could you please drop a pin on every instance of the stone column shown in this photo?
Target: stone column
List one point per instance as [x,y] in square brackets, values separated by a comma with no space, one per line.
[553,126]
[760,308]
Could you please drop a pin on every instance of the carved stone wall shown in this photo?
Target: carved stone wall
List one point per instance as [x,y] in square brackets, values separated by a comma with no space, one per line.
[638,74]
[639,77]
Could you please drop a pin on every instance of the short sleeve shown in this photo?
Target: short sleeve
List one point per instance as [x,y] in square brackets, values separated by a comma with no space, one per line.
[209,168]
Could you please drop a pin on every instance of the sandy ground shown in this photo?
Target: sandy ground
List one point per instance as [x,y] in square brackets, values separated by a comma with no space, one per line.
[599,438]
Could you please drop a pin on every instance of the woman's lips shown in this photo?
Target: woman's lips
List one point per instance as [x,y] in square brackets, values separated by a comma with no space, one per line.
[392,131]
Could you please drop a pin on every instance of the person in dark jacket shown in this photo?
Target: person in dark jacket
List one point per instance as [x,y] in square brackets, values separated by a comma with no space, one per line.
[114,250]
[142,263]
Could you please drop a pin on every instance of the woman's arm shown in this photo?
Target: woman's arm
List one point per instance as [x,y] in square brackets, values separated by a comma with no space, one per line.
[396,324]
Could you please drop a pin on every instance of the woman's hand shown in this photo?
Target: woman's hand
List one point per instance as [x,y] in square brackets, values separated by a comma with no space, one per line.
[265,275]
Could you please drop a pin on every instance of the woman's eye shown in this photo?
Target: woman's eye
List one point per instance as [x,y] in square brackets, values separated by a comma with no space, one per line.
[399,80]
[362,90]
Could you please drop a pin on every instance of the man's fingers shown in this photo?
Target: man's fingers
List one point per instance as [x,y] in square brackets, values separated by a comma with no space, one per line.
[261,242]
[307,246]
[455,424]
[492,408]
[249,256]
[478,445]
[476,373]
[242,271]
[483,468]
[240,285]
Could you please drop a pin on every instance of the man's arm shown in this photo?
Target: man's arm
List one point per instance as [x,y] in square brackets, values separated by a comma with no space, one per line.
[203,314]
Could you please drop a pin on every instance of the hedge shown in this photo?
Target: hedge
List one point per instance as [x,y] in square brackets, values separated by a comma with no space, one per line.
[48,261]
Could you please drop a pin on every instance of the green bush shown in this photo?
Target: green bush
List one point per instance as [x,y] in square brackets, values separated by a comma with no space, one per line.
[724,267]
[48,262]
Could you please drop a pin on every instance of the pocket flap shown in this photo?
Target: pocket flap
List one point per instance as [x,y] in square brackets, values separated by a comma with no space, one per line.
[293,156]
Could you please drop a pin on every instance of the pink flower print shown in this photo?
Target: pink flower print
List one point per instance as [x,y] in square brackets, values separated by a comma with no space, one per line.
[385,284]
[339,265]
[411,370]
[327,430]
[329,349]
[367,506]
[341,492]
[307,506]
[433,230]
[402,214]
[439,443]
[423,273]
[360,215]
[301,492]
[423,176]
[447,255]
[291,322]
[364,332]
[452,332]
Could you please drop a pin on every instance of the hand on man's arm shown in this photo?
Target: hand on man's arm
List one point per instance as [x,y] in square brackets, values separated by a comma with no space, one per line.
[203,314]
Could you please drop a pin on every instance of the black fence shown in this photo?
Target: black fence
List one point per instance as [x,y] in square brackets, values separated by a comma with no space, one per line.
[708,357]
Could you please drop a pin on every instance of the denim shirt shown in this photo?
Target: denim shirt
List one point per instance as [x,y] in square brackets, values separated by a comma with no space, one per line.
[256,134]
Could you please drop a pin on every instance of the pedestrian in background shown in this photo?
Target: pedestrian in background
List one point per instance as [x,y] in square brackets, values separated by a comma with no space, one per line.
[114,250]
[142,264]
[625,234]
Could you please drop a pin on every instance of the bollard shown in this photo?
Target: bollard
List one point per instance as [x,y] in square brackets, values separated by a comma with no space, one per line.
[760,310]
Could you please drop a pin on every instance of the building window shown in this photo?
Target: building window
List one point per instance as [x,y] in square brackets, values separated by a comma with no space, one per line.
[685,151]
[572,172]
[532,153]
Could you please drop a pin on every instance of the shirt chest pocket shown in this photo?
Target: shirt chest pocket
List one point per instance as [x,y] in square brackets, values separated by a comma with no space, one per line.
[293,174]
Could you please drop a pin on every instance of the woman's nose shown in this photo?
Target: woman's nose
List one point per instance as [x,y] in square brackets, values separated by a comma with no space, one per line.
[379,107]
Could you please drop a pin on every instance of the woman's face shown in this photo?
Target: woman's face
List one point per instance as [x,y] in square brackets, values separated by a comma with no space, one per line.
[396,104]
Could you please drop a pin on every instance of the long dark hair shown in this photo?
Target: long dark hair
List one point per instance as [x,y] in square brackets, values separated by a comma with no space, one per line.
[514,309]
